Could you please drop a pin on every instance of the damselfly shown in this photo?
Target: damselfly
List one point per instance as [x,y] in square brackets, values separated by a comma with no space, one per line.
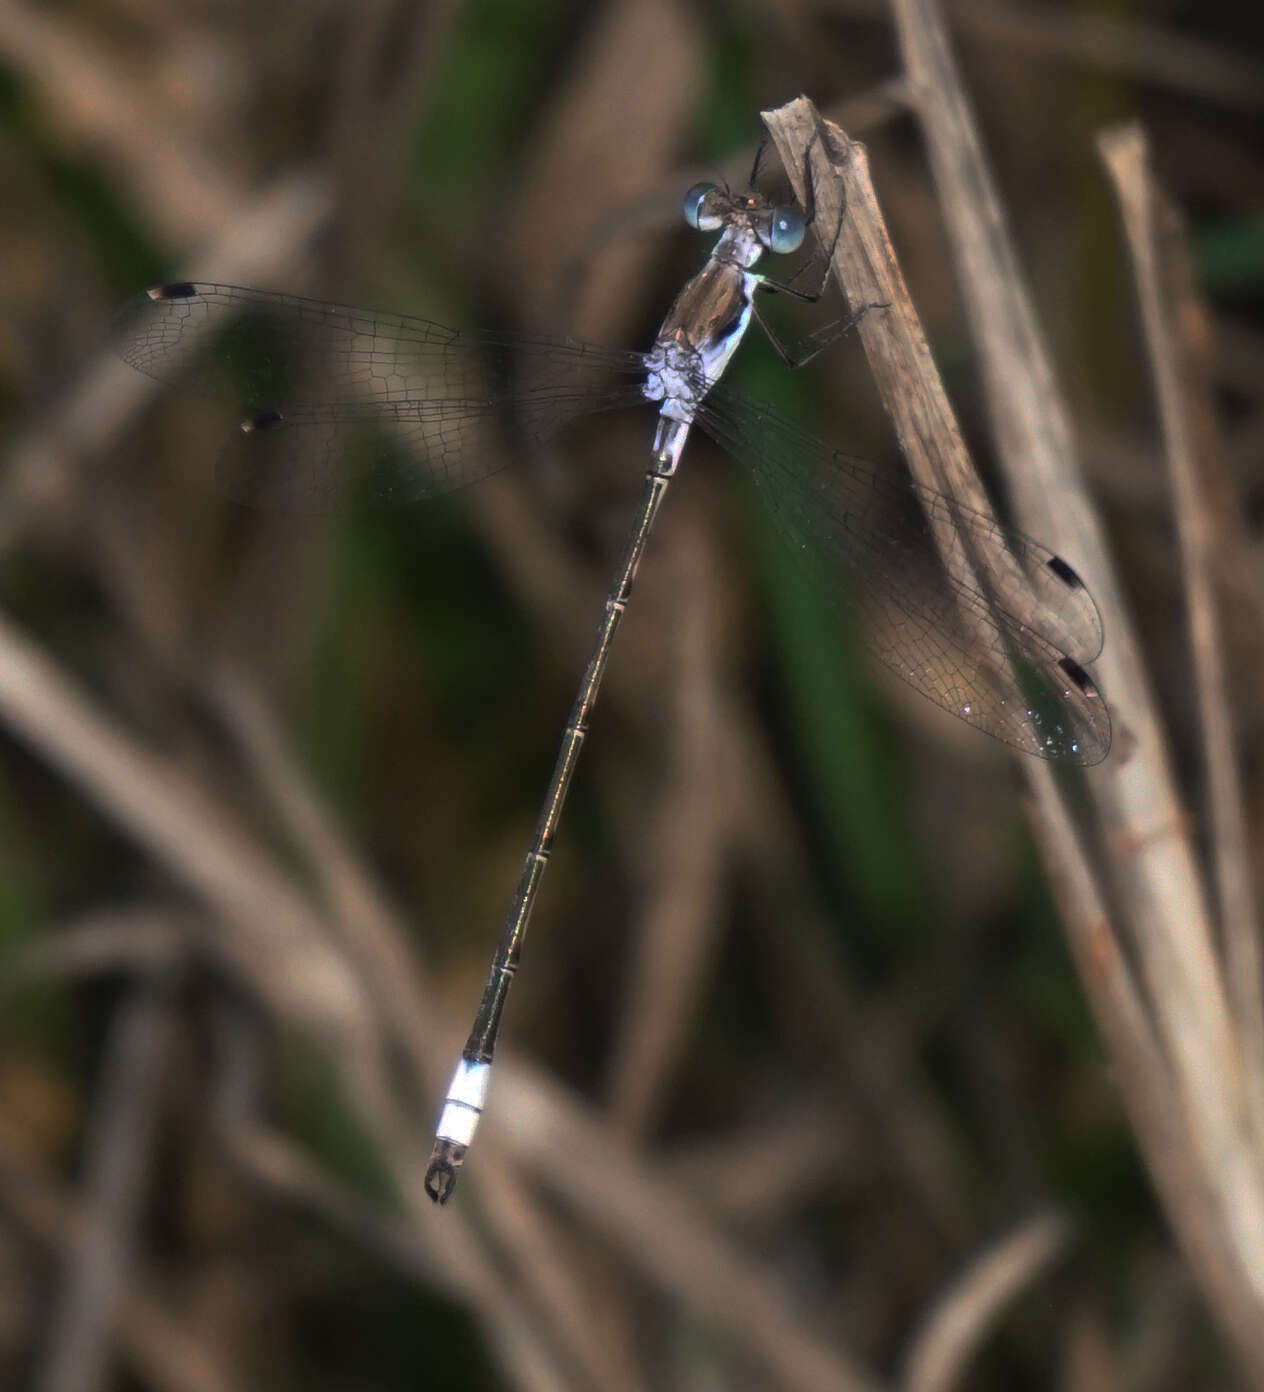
[994,627]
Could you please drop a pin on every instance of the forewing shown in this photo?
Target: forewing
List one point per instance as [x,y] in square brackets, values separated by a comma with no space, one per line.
[994,628]
[385,408]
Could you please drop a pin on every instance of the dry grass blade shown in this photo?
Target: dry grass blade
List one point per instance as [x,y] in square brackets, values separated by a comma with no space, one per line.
[572,1307]
[1150,52]
[166,1353]
[377,940]
[120,1153]
[633,65]
[160,806]
[1155,879]
[678,934]
[792,955]
[667,1239]
[1136,1052]
[94,413]
[186,193]
[1156,882]
[1171,316]
[939,1358]
[865,266]
[774,1165]
[982,577]
[377,944]
[268,935]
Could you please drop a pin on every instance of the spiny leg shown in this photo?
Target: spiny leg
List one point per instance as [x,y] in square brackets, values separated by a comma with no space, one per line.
[809,218]
[796,355]
[760,151]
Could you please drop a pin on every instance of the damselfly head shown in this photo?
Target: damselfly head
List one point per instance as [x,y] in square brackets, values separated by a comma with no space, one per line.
[779,227]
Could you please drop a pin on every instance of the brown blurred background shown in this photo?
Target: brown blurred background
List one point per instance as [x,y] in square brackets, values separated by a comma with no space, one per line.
[267,780]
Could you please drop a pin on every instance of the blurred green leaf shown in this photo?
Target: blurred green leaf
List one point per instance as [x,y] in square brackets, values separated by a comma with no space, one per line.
[488,83]
[1230,256]
[845,751]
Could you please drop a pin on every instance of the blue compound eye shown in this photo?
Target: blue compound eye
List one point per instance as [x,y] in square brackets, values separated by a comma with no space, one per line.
[786,233]
[692,208]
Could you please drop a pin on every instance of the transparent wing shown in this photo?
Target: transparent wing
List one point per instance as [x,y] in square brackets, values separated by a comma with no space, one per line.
[993,627]
[386,408]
